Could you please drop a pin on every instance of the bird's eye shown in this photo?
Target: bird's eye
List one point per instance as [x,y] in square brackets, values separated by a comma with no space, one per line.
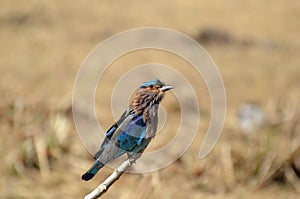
[149,87]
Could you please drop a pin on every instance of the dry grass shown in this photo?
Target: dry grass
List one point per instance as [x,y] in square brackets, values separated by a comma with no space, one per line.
[43,44]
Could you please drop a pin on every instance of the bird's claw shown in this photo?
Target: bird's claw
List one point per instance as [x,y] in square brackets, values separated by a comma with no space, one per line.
[133,157]
[132,160]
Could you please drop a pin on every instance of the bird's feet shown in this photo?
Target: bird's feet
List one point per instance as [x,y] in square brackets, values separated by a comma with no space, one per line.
[132,157]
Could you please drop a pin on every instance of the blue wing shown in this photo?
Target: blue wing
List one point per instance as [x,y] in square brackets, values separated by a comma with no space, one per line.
[110,132]
[119,141]
[133,135]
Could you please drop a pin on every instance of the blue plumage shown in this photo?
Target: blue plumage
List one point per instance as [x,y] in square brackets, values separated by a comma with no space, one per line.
[134,130]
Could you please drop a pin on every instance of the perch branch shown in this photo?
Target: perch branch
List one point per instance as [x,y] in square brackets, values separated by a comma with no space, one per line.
[104,186]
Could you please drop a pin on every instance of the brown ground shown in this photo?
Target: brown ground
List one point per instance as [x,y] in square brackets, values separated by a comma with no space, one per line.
[43,44]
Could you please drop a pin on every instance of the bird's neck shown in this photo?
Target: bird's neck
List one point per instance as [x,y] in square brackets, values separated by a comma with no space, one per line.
[144,101]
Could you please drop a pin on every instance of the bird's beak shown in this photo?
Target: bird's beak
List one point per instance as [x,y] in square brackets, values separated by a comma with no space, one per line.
[166,88]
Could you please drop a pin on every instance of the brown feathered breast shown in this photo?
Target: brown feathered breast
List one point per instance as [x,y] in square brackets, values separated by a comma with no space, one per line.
[144,99]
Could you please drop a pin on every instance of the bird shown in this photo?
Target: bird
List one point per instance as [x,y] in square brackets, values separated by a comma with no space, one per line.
[135,128]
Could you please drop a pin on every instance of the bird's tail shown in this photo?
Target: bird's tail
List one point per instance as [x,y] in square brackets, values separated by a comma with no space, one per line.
[92,171]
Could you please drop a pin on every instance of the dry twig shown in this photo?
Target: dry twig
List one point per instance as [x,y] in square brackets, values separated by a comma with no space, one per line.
[104,186]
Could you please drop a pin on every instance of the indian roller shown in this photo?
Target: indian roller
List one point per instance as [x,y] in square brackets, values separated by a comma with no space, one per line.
[134,130]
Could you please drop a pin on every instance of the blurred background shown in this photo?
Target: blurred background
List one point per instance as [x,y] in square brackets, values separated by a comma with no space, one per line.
[254,43]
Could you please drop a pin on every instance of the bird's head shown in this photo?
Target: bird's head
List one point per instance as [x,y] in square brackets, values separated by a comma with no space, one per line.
[148,94]
[155,86]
